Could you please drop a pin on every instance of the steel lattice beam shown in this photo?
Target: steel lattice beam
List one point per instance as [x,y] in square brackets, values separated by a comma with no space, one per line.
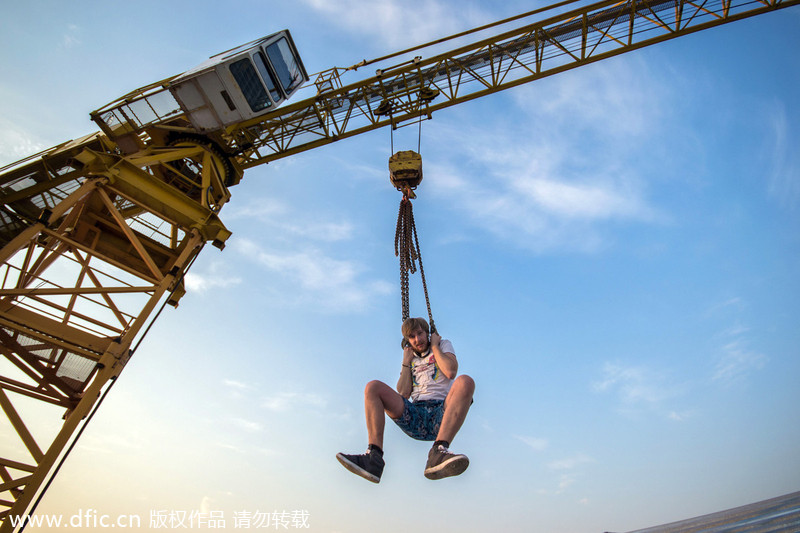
[560,43]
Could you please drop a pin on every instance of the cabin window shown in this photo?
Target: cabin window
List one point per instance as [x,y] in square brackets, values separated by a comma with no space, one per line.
[266,75]
[286,66]
[253,90]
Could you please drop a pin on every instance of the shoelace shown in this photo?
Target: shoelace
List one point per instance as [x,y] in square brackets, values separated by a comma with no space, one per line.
[445,451]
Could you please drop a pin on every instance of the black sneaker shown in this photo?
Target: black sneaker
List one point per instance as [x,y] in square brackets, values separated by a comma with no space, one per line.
[367,465]
[444,463]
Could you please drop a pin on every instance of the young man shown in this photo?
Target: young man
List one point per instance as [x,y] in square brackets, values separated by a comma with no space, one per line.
[438,405]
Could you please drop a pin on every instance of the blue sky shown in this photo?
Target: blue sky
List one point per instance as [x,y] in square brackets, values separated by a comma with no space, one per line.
[613,252]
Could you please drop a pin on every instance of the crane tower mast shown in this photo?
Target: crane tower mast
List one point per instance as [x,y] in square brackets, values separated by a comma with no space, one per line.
[96,234]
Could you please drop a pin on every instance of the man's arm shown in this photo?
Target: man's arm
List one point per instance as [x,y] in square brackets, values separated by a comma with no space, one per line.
[404,384]
[446,361]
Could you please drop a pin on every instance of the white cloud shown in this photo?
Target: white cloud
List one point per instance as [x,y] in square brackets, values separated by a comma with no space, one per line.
[286,401]
[784,179]
[295,252]
[570,463]
[204,282]
[16,144]
[217,276]
[288,224]
[331,284]
[312,269]
[238,385]
[678,417]
[736,362]
[733,304]
[236,389]
[608,101]
[397,24]
[249,426]
[542,214]
[70,38]
[635,385]
[229,447]
[565,482]
[535,443]
[561,166]
[578,200]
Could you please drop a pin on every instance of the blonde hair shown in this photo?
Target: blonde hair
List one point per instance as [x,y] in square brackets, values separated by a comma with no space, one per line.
[411,324]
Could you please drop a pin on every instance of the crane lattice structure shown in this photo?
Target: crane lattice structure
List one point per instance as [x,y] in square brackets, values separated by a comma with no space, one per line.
[96,234]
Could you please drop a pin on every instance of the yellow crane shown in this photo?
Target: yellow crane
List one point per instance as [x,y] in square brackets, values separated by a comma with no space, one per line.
[96,234]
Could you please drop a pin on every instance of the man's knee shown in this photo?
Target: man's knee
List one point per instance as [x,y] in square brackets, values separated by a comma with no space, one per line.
[465,384]
[374,388]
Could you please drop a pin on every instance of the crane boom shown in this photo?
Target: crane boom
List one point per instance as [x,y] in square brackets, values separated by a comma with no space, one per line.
[403,93]
[97,233]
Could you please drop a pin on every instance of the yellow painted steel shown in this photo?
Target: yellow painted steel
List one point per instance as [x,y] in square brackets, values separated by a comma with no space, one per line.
[558,43]
[102,224]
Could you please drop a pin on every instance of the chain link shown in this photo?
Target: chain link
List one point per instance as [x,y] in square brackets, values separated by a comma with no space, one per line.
[406,247]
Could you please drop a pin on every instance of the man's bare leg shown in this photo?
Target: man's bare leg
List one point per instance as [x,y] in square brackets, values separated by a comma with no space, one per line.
[442,462]
[457,405]
[380,398]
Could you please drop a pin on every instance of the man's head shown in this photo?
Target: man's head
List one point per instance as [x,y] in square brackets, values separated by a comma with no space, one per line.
[417,332]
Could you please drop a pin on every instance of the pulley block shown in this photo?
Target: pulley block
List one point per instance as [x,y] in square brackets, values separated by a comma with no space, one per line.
[405,171]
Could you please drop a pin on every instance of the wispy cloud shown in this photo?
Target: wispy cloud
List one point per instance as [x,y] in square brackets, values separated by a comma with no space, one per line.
[734,301]
[287,224]
[236,389]
[679,416]
[312,276]
[735,359]
[298,250]
[558,175]
[71,38]
[249,426]
[568,470]
[634,385]
[784,179]
[570,463]
[234,384]
[641,389]
[736,362]
[15,143]
[217,276]
[396,23]
[286,401]
[196,281]
[535,443]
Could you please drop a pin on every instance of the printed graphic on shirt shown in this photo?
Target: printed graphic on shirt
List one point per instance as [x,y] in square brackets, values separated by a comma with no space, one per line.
[428,380]
[425,370]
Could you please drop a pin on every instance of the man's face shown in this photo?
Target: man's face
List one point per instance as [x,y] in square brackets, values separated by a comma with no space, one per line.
[418,340]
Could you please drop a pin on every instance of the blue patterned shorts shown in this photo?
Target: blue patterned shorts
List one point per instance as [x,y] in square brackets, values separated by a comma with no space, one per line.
[421,420]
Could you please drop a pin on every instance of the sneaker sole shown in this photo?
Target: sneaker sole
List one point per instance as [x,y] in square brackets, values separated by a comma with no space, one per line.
[452,467]
[357,470]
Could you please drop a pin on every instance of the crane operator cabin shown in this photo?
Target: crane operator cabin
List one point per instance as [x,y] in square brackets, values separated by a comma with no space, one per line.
[231,87]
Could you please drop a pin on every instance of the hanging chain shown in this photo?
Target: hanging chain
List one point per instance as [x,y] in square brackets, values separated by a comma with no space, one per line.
[406,247]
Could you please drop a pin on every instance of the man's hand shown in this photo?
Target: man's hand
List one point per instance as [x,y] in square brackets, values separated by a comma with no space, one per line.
[435,339]
[408,355]
[404,383]
[446,362]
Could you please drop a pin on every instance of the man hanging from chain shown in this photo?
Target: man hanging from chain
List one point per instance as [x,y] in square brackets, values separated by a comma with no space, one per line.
[431,400]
